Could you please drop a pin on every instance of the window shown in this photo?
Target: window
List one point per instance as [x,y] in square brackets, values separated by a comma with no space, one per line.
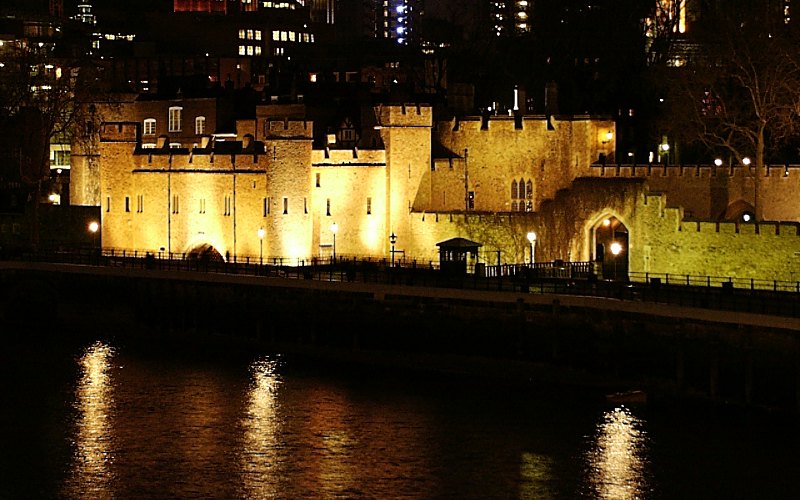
[249,34]
[258,34]
[149,126]
[175,124]
[108,203]
[284,36]
[265,207]
[249,50]
[305,205]
[328,207]
[241,34]
[276,35]
[140,203]
[202,205]
[285,206]
[227,212]
[257,49]
[319,177]
[200,125]
[127,203]
[176,204]
[529,190]
[369,206]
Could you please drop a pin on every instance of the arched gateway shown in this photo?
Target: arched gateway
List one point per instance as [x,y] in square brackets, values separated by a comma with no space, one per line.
[610,237]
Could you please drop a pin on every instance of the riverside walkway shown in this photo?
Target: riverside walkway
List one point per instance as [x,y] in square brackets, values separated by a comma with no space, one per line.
[730,298]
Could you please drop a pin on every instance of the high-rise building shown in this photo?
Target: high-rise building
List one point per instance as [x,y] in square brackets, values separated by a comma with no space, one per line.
[510,17]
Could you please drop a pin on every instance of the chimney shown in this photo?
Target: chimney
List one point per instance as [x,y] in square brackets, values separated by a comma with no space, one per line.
[551,98]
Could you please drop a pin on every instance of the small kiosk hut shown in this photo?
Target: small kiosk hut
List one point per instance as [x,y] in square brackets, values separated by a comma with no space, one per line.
[453,254]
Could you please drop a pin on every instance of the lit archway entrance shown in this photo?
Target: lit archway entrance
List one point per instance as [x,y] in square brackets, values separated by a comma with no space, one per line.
[611,249]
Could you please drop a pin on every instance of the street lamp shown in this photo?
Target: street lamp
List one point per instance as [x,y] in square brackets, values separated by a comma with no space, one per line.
[718,162]
[616,248]
[334,229]
[393,240]
[746,161]
[532,241]
[261,233]
[93,227]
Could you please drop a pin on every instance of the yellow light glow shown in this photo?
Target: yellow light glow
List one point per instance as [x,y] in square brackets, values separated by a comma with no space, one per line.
[606,222]
[532,236]
[616,462]
[260,460]
[93,440]
[616,248]
[93,227]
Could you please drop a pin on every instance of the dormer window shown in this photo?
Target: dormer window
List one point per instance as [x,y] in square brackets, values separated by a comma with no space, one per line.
[200,125]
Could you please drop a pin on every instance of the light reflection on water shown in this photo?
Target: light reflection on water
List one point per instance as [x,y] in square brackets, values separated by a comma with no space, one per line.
[169,426]
[94,449]
[617,461]
[259,457]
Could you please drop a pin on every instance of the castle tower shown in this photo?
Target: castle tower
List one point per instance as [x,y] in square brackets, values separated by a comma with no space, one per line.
[288,213]
[406,134]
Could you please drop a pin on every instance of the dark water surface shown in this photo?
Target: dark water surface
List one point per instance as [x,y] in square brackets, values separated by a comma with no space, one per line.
[118,419]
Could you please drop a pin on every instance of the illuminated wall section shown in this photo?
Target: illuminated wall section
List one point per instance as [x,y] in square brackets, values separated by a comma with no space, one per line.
[350,189]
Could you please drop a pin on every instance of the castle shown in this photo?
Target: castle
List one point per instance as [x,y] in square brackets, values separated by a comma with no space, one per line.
[272,193]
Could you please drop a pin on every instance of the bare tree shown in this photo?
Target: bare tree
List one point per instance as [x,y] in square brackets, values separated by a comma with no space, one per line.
[739,95]
[39,105]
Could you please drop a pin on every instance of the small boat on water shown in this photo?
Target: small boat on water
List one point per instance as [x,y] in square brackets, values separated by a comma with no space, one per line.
[634,397]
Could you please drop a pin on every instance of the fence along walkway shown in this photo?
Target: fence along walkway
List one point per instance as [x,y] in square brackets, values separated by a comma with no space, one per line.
[775,298]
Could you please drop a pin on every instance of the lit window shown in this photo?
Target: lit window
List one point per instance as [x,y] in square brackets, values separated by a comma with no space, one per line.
[175,124]
[312,77]
[258,34]
[242,50]
[276,35]
[149,126]
[249,34]
[284,36]
[291,36]
[241,34]
[200,125]
[312,37]
[257,51]
[305,37]
[249,50]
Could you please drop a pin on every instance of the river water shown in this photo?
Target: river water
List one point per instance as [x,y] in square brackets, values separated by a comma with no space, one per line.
[106,418]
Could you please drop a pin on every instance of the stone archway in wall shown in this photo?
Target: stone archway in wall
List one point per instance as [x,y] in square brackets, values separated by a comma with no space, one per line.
[611,241]
[739,211]
[205,252]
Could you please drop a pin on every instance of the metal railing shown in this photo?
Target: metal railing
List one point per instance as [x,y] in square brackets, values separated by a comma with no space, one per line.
[778,298]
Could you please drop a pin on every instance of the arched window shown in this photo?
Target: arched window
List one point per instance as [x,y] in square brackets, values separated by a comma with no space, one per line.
[149,127]
[514,190]
[200,125]
[521,189]
[529,190]
[514,206]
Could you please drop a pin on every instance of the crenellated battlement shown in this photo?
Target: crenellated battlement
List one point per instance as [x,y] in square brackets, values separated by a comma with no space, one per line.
[702,171]
[504,123]
[119,132]
[758,228]
[294,129]
[348,157]
[405,115]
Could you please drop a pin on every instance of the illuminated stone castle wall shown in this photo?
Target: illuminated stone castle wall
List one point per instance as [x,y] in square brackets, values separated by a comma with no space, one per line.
[219,196]
[708,192]
[494,153]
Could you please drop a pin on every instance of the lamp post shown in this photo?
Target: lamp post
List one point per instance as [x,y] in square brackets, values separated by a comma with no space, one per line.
[392,240]
[261,233]
[532,241]
[616,248]
[334,229]
[93,227]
